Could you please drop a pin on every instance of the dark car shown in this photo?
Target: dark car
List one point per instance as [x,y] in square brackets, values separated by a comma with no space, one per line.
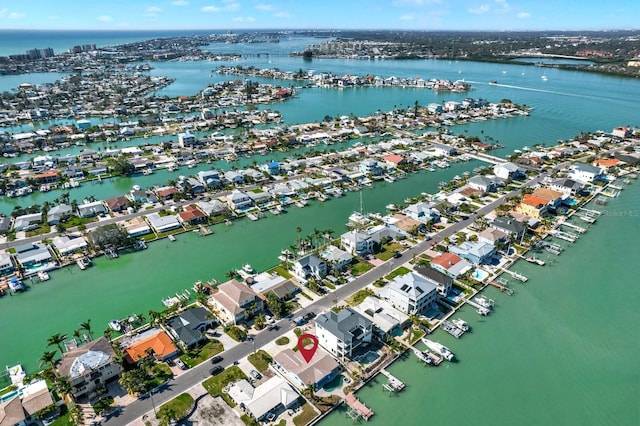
[309,316]
[216,370]
[397,254]
[216,359]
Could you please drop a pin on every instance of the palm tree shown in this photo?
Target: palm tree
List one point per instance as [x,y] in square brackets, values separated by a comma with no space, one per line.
[56,340]
[298,231]
[77,335]
[86,326]
[47,358]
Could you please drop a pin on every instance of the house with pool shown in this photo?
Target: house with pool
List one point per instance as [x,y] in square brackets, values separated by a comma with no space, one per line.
[343,332]
[319,371]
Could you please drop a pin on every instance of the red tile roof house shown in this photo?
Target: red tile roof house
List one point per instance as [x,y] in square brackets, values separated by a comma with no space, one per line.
[166,193]
[394,159]
[117,204]
[450,264]
[192,215]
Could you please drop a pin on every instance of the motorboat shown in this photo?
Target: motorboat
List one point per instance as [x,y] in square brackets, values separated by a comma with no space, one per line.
[439,349]
[461,324]
[484,302]
[115,325]
[43,275]
[15,285]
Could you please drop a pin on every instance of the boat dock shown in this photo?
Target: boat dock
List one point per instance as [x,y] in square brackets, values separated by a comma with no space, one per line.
[566,236]
[515,275]
[590,213]
[452,329]
[550,247]
[357,408]
[502,285]
[619,188]
[393,383]
[482,310]
[171,237]
[576,228]
[204,231]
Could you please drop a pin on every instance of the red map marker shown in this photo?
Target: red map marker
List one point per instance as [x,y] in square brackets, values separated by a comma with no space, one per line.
[307,352]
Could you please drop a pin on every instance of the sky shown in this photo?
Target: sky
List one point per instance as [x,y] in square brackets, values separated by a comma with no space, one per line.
[494,15]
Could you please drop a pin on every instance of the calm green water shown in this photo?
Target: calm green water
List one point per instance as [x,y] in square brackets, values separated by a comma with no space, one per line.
[564,349]
[136,283]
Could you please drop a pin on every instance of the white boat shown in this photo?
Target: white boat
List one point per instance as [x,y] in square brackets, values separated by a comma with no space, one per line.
[43,275]
[439,349]
[424,357]
[533,259]
[147,172]
[15,285]
[389,179]
[301,203]
[252,216]
[115,325]
[248,268]
[461,324]
[483,311]
[484,302]
[136,187]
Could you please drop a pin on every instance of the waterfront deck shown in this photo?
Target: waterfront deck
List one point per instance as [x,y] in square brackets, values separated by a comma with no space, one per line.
[358,407]
[393,383]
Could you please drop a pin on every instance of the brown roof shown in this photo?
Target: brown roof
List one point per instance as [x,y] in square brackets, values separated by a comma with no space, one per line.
[37,401]
[534,201]
[405,223]
[101,344]
[309,372]
[117,203]
[547,194]
[11,412]
[237,291]
[226,302]
[493,234]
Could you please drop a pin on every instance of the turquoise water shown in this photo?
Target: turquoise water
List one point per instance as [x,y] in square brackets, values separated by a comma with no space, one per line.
[564,349]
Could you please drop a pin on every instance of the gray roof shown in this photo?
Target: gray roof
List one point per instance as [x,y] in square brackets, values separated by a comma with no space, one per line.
[508,225]
[343,324]
[433,275]
[189,325]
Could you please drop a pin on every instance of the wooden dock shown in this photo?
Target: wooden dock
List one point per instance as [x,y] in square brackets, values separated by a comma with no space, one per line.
[204,231]
[357,407]
[501,286]
[393,383]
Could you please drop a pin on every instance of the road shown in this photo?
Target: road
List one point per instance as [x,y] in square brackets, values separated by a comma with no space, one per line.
[200,372]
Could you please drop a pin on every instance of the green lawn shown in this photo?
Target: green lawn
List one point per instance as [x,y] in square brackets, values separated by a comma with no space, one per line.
[178,407]
[399,271]
[388,250]
[359,296]
[215,384]
[308,414]
[260,360]
[360,268]
[198,355]
[282,271]
[281,341]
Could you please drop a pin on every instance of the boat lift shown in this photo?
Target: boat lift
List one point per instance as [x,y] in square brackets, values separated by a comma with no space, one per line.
[576,228]
[515,275]
[589,212]
[566,236]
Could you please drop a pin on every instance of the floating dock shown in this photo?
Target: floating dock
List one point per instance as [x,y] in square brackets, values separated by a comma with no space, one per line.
[550,247]
[358,409]
[171,238]
[590,213]
[502,285]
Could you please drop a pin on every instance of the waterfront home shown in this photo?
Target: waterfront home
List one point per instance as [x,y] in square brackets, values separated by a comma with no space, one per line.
[67,245]
[483,183]
[585,173]
[136,227]
[190,325]
[91,209]
[411,293]
[370,166]
[58,214]
[567,187]
[163,223]
[309,266]
[192,215]
[27,222]
[265,283]
[282,190]
[154,341]
[622,132]
[6,264]
[48,177]
[509,171]
[253,175]
[493,236]
[233,178]
[73,172]
[606,164]
[510,226]
[265,401]
[320,370]
[142,196]
[210,178]
[423,212]
[25,407]
[186,140]
[235,301]
[213,207]
[387,320]
[341,333]
[475,252]
[166,193]
[33,255]
[443,282]
[239,200]
[451,264]
[259,197]
[532,206]
[5,224]
[336,258]
[117,204]
[89,367]
[441,149]
[394,160]
[404,225]
[554,198]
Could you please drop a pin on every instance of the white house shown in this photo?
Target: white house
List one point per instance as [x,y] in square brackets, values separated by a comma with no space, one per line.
[163,223]
[310,266]
[272,396]
[508,170]
[357,242]
[336,258]
[411,293]
[239,200]
[585,173]
[340,333]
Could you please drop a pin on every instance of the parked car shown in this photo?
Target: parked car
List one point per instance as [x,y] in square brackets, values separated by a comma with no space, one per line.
[216,370]
[255,374]
[309,316]
[181,364]
[216,359]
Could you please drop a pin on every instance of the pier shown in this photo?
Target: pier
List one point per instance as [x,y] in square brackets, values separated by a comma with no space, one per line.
[515,275]
[204,231]
[393,384]
[590,213]
[357,408]
[550,247]
[576,228]
[566,236]
[501,285]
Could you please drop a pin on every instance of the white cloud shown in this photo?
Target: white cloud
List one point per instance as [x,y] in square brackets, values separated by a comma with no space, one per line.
[153,9]
[180,3]
[283,14]
[104,18]
[415,3]
[4,13]
[480,10]
[230,6]
[264,7]
[408,17]
[523,15]
[244,19]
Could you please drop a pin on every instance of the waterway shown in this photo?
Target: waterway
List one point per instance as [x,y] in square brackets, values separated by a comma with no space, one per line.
[564,349]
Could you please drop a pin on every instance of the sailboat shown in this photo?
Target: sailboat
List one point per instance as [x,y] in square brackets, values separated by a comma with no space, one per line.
[357,219]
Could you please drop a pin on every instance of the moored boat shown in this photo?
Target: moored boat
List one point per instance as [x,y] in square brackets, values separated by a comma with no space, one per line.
[533,259]
[461,324]
[43,275]
[16,285]
[439,349]
[115,325]
[452,329]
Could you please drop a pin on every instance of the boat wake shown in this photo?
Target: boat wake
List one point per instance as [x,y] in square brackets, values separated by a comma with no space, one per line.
[532,89]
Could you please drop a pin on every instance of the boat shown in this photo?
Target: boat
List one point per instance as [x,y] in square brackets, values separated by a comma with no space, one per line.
[83,262]
[389,179]
[461,324]
[248,268]
[452,329]
[439,349]
[16,285]
[171,238]
[483,311]
[484,302]
[136,187]
[172,167]
[147,172]
[493,82]
[43,275]
[252,216]
[115,325]
[532,259]
[228,222]
[301,203]
[544,78]
[422,356]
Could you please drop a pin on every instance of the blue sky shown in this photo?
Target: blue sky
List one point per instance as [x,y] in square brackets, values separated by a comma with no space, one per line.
[501,15]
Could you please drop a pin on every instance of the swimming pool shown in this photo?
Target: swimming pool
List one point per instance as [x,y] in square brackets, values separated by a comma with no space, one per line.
[479,274]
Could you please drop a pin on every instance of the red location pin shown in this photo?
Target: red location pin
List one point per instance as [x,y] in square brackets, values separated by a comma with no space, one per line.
[307,352]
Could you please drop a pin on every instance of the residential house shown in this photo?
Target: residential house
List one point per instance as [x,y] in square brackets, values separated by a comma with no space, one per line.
[67,245]
[259,198]
[142,196]
[58,214]
[213,207]
[607,164]
[341,333]
[27,222]
[210,178]
[423,212]
[320,370]
[411,293]
[24,408]
[154,341]
[163,223]
[265,283]
[450,264]
[483,183]
[443,282]
[387,320]
[404,225]
[357,242]
[493,236]
[567,187]
[336,258]
[189,326]
[554,198]
[310,266]
[117,204]
[442,150]
[509,226]
[89,367]
[33,255]
[585,173]
[370,166]
[622,132]
[269,398]
[509,171]
[532,206]
[239,200]
[6,264]
[166,192]
[5,224]
[234,178]
[136,227]
[476,253]
[192,215]
[91,209]
[186,140]
[394,160]
[235,301]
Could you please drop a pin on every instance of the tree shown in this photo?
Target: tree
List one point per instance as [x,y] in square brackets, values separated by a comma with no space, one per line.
[47,358]
[111,235]
[134,381]
[86,326]
[56,340]
[275,305]
[122,167]
[60,228]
